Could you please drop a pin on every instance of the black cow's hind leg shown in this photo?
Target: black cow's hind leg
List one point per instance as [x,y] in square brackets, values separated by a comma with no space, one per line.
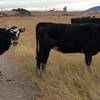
[42,59]
[88,59]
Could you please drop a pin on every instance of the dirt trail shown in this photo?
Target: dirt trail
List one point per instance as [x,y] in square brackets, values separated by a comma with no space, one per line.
[12,84]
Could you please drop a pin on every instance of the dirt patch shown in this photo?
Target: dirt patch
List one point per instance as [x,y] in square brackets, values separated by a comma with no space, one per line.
[13,86]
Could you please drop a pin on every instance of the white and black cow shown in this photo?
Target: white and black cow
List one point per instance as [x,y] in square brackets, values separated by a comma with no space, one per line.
[9,36]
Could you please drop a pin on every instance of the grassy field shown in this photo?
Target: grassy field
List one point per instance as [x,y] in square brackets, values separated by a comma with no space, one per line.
[66,77]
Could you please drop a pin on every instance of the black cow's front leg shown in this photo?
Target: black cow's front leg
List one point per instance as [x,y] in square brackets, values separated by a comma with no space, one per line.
[88,59]
[42,59]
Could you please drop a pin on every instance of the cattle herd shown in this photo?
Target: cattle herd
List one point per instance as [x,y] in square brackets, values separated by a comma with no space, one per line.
[81,36]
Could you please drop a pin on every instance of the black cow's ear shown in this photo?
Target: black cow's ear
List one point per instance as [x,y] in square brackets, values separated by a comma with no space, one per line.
[22,29]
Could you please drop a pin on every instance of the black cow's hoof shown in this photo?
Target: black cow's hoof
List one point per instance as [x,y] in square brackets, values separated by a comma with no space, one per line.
[39,72]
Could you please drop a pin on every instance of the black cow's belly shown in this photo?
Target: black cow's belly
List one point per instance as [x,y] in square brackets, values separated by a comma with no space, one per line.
[69,48]
[73,47]
[77,50]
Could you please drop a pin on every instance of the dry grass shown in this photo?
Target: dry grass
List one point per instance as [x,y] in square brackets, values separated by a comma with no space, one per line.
[65,77]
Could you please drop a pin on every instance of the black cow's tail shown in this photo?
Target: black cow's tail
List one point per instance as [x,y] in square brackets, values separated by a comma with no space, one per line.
[37,43]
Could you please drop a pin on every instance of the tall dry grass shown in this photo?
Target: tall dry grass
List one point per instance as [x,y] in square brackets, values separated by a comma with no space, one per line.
[66,77]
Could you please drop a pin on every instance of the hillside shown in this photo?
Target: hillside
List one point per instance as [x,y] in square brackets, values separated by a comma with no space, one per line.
[94,9]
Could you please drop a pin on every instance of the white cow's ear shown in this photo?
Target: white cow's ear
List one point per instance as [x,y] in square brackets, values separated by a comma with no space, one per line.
[7,28]
[22,29]
[11,31]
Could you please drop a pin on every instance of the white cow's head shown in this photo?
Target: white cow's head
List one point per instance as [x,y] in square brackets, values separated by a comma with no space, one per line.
[15,32]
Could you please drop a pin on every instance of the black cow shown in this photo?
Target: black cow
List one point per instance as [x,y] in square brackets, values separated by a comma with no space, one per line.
[9,36]
[67,38]
[88,19]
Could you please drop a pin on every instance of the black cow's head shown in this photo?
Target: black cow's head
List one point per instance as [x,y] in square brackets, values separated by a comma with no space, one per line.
[15,32]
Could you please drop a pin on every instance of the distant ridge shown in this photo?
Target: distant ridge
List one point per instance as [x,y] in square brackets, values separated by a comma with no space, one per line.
[94,9]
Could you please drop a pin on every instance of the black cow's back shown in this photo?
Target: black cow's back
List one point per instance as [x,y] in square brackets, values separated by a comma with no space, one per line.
[81,20]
